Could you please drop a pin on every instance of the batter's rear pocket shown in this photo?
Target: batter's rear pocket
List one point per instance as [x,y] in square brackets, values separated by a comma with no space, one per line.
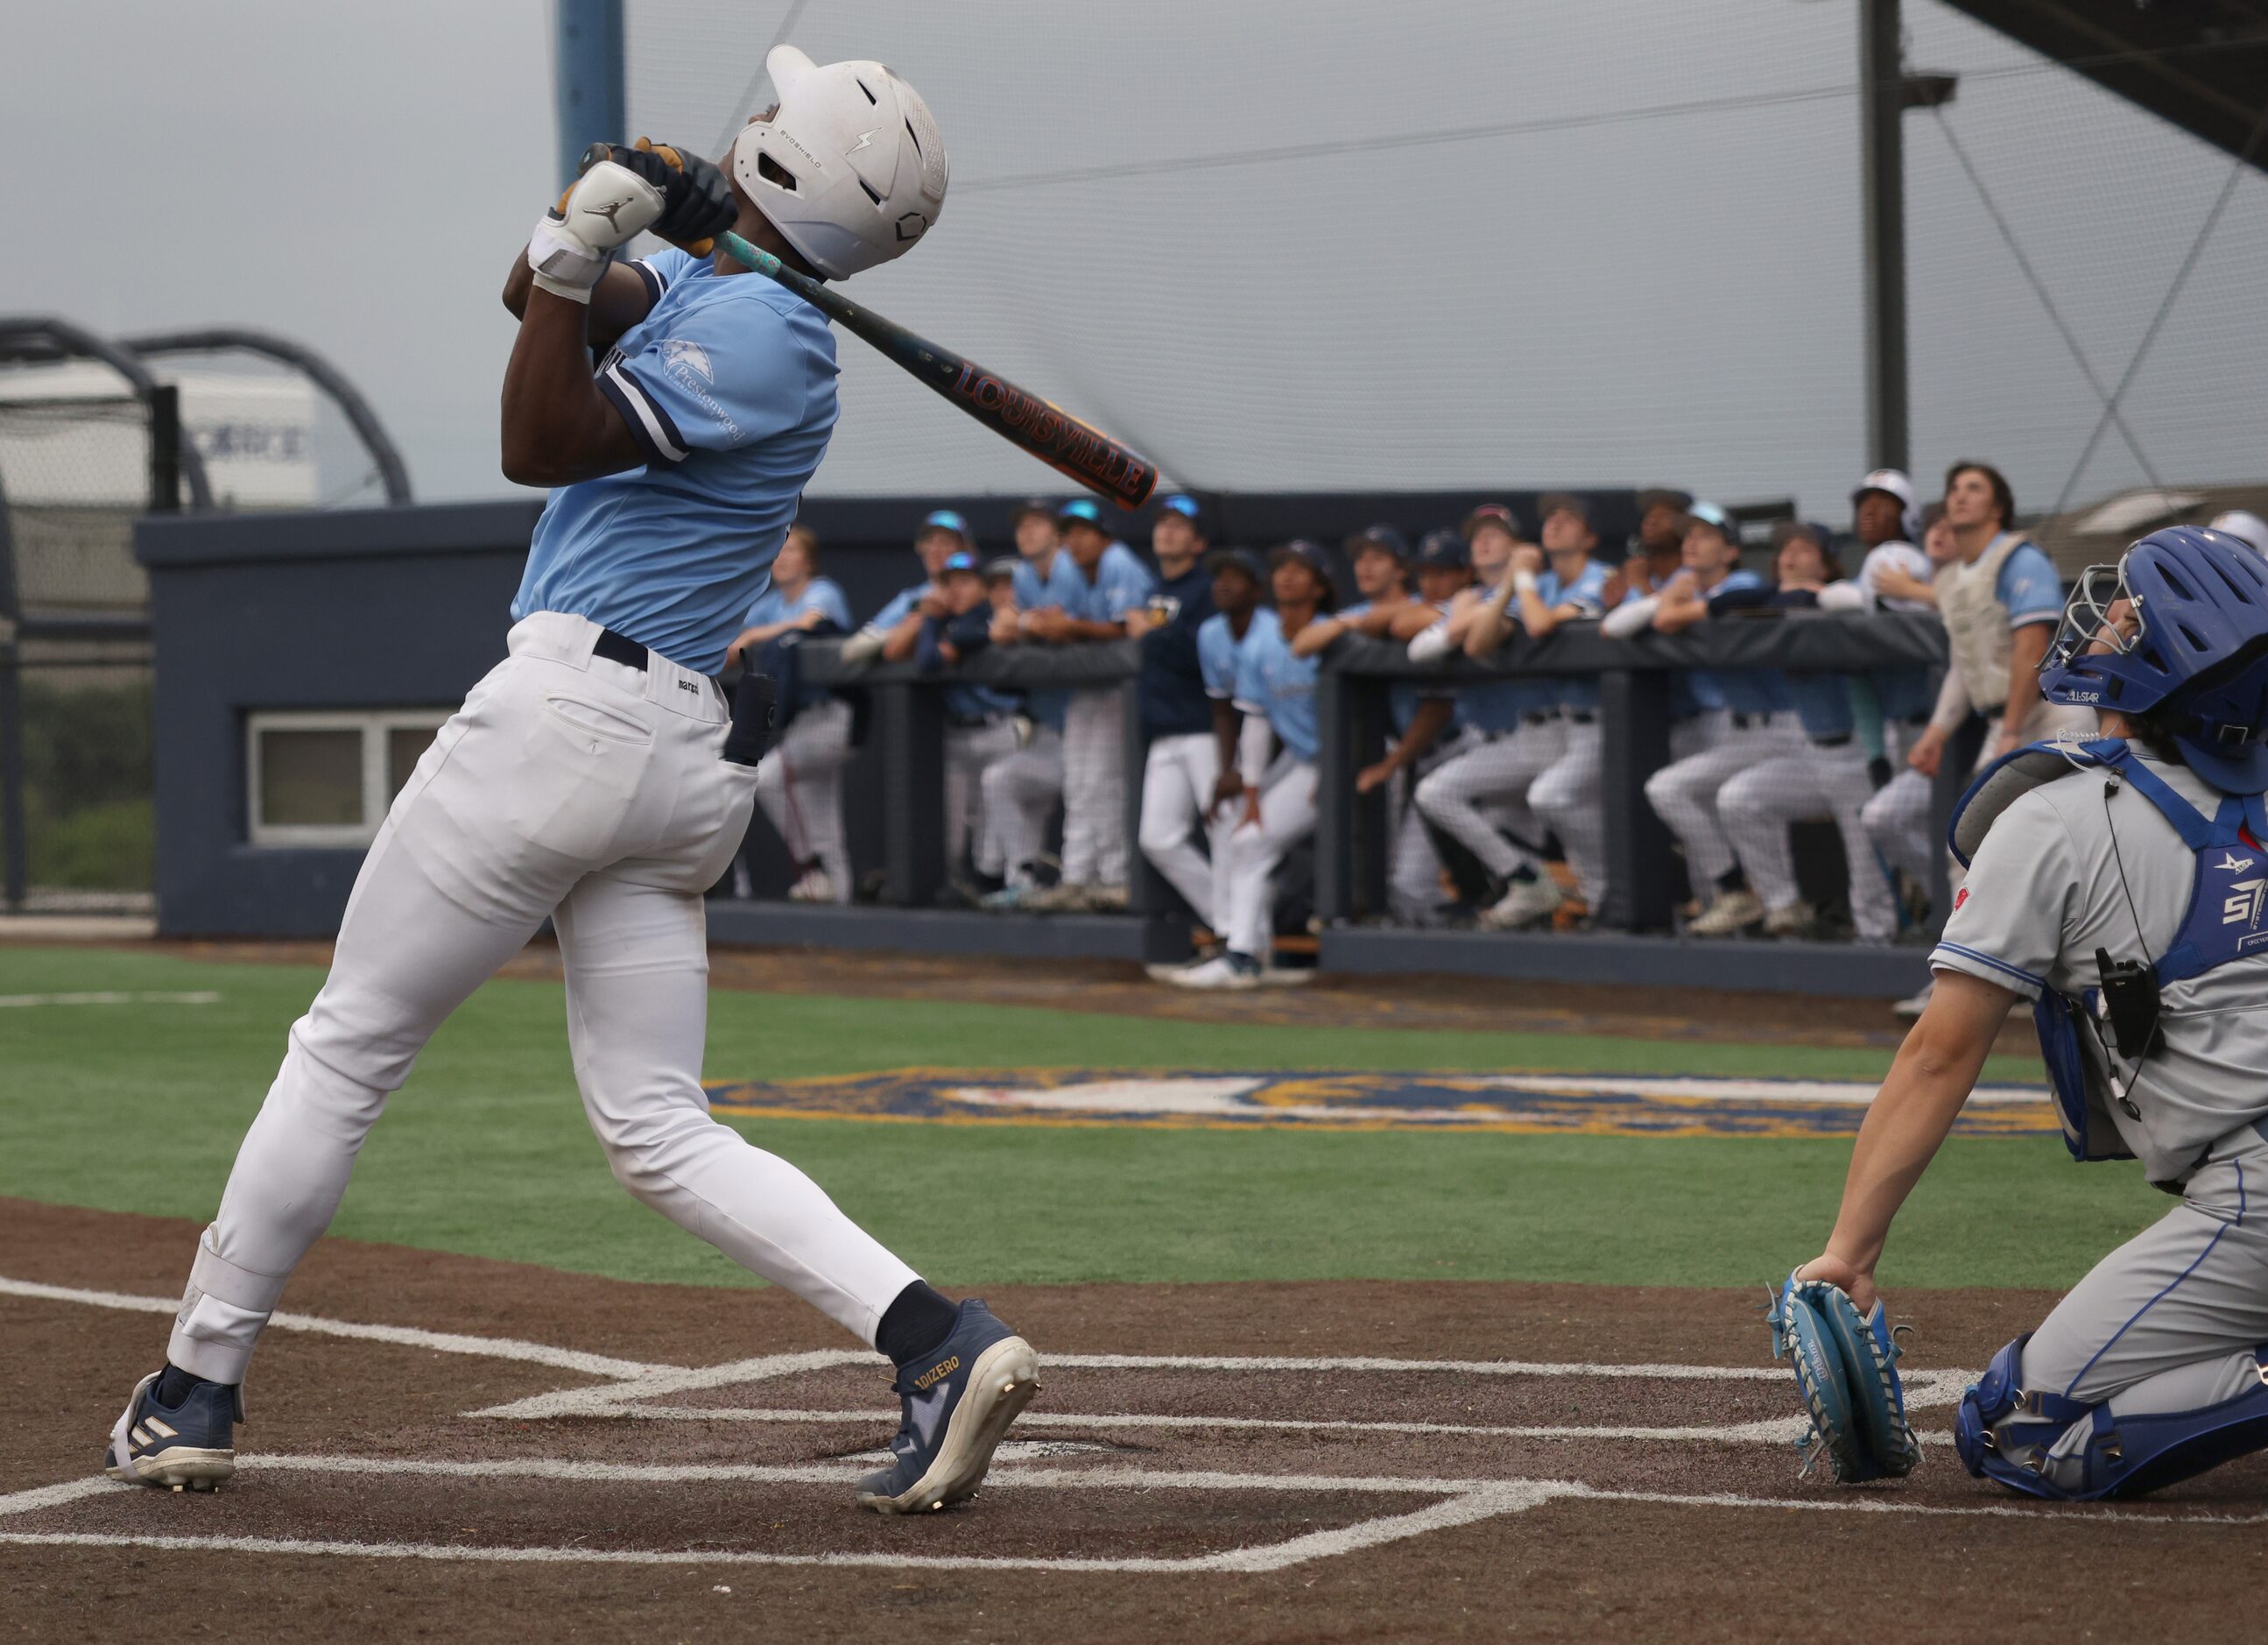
[598,722]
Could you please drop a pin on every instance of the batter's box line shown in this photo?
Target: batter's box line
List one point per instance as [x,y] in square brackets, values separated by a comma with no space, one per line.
[1466,1501]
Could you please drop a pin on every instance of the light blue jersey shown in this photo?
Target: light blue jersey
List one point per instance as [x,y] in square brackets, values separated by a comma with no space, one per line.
[1217,651]
[1498,706]
[1588,594]
[728,387]
[1402,696]
[820,594]
[1272,682]
[901,607]
[1121,582]
[1756,691]
[2029,587]
[1823,702]
[1059,589]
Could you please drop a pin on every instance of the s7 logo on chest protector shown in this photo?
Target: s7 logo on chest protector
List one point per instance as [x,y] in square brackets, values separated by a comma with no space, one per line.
[2243,905]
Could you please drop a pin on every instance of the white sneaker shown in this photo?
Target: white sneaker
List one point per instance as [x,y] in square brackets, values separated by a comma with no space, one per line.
[1166,973]
[1732,913]
[1914,1005]
[1229,972]
[816,885]
[1528,902]
[1286,976]
[1795,920]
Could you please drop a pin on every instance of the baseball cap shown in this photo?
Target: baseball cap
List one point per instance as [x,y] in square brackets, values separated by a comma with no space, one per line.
[947,520]
[1653,497]
[1039,506]
[1236,559]
[1444,550]
[1380,536]
[1182,504]
[2246,526]
[1083,509]
[960,560]
[1005,566]
[1496,512]
[1893,483]
[1710,514]
[1315,557]
[1563,502]
[1809,530]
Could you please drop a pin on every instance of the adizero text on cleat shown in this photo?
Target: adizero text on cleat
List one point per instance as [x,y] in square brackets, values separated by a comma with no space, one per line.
[957,1404]
[191,1446]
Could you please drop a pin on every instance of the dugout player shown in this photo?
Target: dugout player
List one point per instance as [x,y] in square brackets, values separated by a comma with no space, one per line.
[1272,805]
[1567,796]
[799,785]
[2117,884]
[1182,763]
[1023,788]
[591,777]
[1107,581]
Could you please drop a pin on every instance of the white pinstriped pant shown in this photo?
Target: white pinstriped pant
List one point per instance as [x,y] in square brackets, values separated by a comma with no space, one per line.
[1095,787]
[1020,789]
[1568,798]
[1467,797]
[799,786]
[1684,794]
[1245,856]
[1758,806]
[1178,774]
[970,752]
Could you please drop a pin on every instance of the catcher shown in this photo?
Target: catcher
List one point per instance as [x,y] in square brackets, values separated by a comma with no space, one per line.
[2119,884]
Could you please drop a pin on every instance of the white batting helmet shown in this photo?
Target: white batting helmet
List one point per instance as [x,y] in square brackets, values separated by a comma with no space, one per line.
[852,169]
[2247,527]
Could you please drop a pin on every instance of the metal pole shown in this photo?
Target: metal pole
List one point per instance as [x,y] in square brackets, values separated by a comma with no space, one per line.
[15,854]
[590,104]
[1881,105]
[165,449]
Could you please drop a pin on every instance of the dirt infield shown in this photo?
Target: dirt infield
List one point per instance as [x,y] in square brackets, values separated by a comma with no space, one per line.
[1231,1462]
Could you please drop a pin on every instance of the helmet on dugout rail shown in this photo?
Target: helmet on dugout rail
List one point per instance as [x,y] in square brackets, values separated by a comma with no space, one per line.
[850,168]
[2194,654]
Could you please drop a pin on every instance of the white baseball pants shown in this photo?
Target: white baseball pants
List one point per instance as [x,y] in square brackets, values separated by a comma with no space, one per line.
[1684,793]
[1467,797]
[570,787]
[1245,855]
[1095,787]
[1413,867]
[1021,790]
[1758,806]
[970,752]
[1177,782]
[1568,798]
[799,785]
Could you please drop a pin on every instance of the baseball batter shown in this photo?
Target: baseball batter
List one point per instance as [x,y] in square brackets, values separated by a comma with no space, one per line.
[2117,884]
[592,778]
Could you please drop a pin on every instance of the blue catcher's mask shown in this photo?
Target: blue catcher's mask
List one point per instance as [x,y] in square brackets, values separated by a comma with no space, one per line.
[2179,625]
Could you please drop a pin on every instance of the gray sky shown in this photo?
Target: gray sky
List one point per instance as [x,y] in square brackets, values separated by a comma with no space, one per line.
[1608,293]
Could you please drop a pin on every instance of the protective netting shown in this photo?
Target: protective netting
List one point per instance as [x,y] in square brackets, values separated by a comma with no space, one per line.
[1318,245]
[75,475]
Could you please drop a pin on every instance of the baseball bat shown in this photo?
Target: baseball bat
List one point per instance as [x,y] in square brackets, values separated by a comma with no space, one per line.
[1080,450]
[1061,441]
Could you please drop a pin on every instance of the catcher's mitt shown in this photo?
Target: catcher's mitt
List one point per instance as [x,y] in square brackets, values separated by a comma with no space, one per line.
[1847,1370]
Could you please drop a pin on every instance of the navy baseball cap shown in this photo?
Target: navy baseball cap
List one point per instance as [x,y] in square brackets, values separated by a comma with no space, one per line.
[1444,550]
[1380,536]
[1039,506]
[1081,508]
[1653,497]
[1186,506]
[947,520]
[1563,502]
[1488,513]
[1238,560]
[1315,557]
[1006,565]
[961,561]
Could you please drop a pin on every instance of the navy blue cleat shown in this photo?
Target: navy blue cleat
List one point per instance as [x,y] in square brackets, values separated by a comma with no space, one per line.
[191,1446]
[958,1403]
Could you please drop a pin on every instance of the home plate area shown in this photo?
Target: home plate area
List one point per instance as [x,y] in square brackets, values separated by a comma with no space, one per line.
[1142,1464]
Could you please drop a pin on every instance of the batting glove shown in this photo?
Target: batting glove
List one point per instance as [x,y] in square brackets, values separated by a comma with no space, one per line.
[697,201]
[609,206]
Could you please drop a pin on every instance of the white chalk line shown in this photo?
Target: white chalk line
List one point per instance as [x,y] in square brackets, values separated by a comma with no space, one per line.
[403,1336]
[105,997]
[55,1495]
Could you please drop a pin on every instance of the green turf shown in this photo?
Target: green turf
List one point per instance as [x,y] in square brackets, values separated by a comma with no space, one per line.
[139,1108]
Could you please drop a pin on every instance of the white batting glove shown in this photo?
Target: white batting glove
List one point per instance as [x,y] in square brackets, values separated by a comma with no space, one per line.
[609,206]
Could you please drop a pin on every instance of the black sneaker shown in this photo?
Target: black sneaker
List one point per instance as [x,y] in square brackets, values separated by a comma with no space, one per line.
[192,1445]
[958,1403]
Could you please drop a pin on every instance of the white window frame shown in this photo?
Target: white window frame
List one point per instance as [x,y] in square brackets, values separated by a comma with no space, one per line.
[375,726]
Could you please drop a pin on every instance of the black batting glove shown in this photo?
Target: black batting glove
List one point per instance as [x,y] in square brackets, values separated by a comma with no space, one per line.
[697,201]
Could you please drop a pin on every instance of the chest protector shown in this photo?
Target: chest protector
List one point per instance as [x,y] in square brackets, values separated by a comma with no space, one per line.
[1977,623]
[2223,924]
